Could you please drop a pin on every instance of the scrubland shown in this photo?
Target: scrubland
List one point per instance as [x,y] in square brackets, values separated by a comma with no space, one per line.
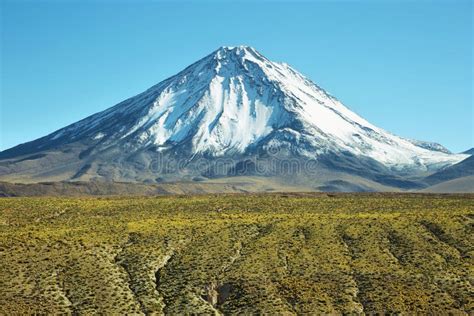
[231,254]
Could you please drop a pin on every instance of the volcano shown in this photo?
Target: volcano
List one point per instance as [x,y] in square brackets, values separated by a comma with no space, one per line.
[232,113]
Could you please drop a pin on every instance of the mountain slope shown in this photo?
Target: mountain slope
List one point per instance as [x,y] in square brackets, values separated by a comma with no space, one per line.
[456,185]
[233,104]
[462,169]
[469,151]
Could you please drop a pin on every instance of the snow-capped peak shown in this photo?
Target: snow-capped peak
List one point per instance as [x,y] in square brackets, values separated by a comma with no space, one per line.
[234,100]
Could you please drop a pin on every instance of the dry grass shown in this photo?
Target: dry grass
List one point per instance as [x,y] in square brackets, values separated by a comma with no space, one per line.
[230,254]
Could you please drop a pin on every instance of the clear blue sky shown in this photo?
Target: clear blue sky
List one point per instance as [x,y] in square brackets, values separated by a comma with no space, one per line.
[406,66]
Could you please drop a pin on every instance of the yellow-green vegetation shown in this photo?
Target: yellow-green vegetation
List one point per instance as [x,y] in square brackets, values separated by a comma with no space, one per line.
[232,254]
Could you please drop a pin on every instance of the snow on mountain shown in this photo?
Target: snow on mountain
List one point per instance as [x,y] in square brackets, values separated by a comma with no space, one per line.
[235,100]
[430,146]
